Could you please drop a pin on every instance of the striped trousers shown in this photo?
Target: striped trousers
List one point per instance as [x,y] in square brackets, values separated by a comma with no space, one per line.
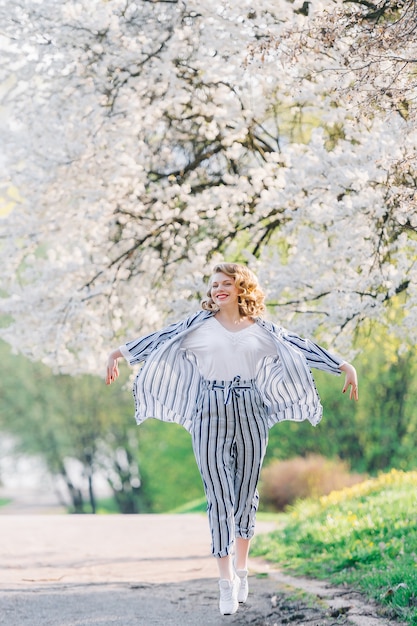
[230,436]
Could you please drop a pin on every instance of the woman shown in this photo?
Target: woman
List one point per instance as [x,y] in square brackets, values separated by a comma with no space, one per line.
[227,376]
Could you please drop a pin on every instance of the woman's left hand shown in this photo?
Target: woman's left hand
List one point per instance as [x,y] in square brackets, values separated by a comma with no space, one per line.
[351,380]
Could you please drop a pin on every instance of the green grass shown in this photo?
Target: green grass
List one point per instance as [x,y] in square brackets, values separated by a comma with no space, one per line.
[4,501]
[107,506]
[195,506]
[365,536]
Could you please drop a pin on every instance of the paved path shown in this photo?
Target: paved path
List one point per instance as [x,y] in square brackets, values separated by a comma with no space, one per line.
[142,570]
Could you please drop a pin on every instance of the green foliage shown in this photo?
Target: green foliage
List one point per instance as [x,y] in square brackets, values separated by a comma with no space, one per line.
[59,418]
[168,467]
[150,468]
[375,434]
[365,536]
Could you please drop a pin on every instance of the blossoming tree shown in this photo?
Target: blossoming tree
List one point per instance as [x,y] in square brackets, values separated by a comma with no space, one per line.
[145,140]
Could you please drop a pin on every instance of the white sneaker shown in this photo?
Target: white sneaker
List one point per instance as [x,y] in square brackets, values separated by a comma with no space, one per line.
[243,590]
[228,596]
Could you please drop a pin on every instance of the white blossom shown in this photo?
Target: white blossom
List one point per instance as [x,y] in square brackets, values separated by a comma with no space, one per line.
[142,143]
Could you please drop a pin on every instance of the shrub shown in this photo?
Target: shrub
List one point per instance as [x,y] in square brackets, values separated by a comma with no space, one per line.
[284,482]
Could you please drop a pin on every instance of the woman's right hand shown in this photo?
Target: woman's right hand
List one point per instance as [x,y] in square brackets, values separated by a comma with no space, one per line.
[113,367]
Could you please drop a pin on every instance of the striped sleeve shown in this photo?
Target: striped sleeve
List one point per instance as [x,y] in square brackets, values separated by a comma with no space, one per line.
[138,350]
[316,356]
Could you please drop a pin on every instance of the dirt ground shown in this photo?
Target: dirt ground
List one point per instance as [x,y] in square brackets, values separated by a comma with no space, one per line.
[145,570]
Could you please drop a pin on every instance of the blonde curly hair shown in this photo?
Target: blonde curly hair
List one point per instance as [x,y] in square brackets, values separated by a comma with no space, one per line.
[251,297]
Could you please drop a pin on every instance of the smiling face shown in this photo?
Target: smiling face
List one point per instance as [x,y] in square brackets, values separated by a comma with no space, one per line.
[223,290]
[235,285]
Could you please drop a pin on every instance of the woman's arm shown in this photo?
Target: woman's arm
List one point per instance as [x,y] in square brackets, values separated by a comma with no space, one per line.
[139,349]
[351,380]
[320,358]
[113,366]
[316,356]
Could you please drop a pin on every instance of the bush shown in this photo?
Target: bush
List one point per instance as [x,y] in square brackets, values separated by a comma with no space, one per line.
[284,482]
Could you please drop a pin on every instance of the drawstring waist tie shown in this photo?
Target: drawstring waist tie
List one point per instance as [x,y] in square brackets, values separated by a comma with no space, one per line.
[229,387]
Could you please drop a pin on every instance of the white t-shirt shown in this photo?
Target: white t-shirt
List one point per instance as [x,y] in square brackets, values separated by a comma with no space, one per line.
[222,354]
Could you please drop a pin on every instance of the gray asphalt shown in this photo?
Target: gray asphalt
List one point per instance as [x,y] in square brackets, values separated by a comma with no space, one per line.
[80,570]
[187,604]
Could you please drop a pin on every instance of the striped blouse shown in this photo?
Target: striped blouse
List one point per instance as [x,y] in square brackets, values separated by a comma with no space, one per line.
[167,384]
